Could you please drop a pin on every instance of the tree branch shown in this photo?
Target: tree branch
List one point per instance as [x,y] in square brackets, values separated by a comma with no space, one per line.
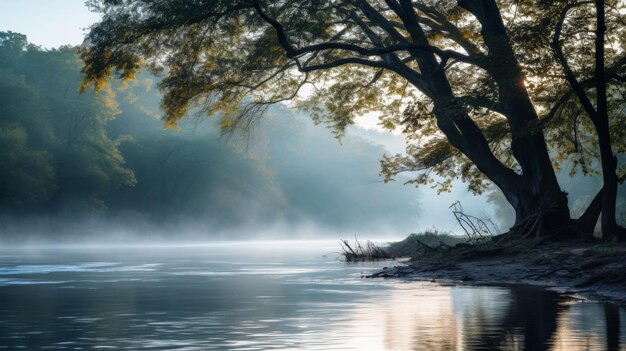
[341,62]
[577,88]
[398,65]
[444,55]
[447,28]
[293,52]
[481,102]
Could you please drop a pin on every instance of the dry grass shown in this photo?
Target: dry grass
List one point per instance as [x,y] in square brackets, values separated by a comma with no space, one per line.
[369,252]
[418,244]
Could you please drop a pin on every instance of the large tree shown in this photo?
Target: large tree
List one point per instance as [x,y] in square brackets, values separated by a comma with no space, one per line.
[598,114]
[473,83]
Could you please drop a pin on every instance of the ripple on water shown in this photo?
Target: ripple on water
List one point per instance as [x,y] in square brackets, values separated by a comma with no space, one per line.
[7,282]
[90,267]
[249,271]
[306,304]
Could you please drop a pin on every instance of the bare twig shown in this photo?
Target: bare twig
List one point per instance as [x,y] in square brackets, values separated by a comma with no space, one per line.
[478,230]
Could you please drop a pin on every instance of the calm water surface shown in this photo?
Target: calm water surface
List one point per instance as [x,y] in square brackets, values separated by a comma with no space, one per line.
[272,295]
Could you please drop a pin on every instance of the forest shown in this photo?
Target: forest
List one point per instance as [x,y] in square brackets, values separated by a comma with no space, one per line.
[105,158]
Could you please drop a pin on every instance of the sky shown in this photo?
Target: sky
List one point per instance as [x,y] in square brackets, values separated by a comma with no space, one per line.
[48,23]
[52,23]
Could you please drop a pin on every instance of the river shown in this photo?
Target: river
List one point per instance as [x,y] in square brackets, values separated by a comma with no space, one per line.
[294,295]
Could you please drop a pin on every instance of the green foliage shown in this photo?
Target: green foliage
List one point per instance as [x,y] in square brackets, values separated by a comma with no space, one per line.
[61,149]
[12,46]
[28,176]
[236,57]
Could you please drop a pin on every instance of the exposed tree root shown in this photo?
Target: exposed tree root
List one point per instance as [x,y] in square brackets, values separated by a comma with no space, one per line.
[478,230]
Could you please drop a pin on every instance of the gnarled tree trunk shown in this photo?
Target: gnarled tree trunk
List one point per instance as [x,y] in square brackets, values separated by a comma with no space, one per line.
[538,194]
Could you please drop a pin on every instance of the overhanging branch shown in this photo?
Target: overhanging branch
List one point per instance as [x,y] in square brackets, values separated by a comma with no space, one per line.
[293,52]
[341,62]
[577,87]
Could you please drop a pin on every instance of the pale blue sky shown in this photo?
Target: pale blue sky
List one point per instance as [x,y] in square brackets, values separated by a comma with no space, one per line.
[48,23]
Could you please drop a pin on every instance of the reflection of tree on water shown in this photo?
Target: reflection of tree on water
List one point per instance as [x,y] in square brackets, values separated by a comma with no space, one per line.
[611,315]
[528,322]
[534,312]
[536,319]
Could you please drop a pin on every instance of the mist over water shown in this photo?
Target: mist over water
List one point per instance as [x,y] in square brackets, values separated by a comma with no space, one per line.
[271,295]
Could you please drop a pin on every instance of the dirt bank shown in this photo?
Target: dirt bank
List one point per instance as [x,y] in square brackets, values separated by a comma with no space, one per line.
[589,271]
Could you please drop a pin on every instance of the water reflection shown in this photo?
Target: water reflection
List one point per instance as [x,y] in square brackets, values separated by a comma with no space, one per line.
[206,298]
[528,321]
[427,317]
[612,326]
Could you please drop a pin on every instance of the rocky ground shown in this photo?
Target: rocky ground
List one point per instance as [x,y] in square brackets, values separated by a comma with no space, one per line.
[585,270]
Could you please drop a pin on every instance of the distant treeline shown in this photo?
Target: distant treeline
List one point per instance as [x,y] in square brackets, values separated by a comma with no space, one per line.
[55,143]
[65,154]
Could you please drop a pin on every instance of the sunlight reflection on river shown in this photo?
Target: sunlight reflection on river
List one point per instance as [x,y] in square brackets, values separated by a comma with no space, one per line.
[272,295]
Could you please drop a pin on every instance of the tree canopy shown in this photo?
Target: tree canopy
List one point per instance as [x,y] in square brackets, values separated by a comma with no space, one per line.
[477,86]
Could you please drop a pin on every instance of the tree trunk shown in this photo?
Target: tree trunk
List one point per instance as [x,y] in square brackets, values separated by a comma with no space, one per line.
[535,194]
[587,221]
[609,193]
[601,123]
[540,193]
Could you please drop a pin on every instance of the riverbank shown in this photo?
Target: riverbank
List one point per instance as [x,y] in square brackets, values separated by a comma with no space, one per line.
[593,271]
